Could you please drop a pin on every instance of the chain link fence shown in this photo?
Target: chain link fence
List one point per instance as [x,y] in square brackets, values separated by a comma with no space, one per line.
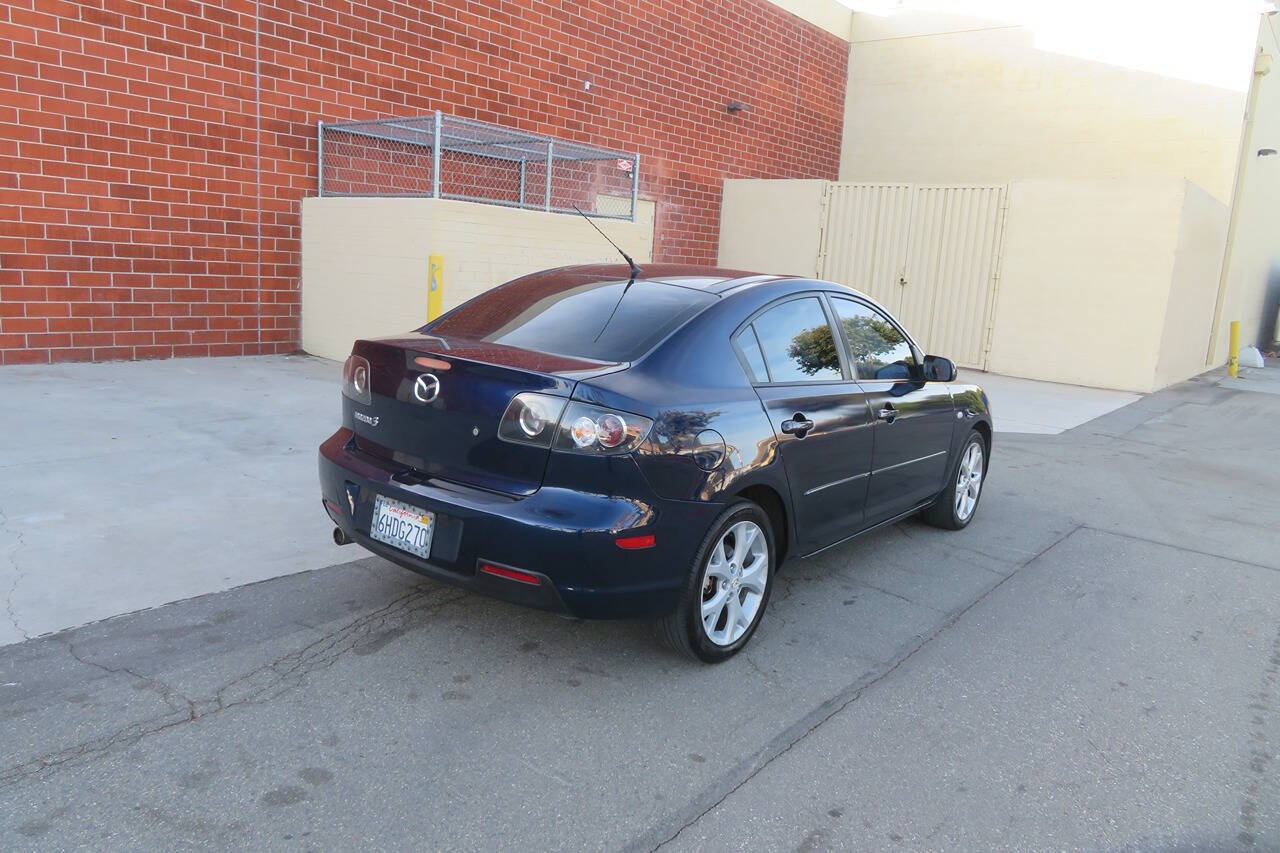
[441,156]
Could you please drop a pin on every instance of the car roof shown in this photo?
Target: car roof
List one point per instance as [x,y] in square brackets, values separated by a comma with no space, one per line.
[708,279]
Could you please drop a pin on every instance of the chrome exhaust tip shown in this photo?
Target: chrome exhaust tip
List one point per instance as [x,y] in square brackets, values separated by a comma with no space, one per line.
[340,538]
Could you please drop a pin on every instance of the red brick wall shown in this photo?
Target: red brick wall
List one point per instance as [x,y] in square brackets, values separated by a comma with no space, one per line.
[153,153]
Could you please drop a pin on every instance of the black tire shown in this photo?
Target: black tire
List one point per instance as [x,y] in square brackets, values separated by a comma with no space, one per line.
[943,511]
[684,629]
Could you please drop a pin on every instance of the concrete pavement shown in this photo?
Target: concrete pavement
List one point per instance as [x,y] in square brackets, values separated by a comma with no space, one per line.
[128,486]
[1091,664]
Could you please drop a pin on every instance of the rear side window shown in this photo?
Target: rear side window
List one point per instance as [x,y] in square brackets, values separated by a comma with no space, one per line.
[750,348]
[594,319]
[877,349]
[795,342]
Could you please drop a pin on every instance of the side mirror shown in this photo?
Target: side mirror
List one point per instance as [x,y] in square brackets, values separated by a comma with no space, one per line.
[939,369]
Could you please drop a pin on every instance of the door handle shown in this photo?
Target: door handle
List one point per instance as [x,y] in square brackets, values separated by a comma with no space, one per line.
[798,425]
[888,413]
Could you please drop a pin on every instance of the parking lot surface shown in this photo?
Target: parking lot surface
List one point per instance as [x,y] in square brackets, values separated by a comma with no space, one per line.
[1092,663]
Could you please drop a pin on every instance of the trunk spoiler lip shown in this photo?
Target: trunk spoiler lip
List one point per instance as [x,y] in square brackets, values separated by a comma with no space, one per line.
[418,342]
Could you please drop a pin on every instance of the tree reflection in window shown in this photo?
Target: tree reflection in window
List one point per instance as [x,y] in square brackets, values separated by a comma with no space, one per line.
[814,351]
[878,349]
[796,342]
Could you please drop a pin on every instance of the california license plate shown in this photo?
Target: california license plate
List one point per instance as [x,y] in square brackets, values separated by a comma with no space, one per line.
[402,526]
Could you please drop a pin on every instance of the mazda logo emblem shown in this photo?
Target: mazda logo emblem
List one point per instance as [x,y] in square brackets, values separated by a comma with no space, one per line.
[426,388]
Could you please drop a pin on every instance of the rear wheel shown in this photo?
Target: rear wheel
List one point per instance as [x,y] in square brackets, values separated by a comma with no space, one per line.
[957,503]
[728,587]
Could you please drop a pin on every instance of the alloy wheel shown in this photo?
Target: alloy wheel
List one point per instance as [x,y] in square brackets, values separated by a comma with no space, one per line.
[969,481]
[733,583]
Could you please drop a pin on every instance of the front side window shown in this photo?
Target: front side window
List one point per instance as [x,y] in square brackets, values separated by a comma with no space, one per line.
[796,343]
[877,349]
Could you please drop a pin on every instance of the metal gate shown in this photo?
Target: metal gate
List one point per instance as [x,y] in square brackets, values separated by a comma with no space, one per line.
[930,254]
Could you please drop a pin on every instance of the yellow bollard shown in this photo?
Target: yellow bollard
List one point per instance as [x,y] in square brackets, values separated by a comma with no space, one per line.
[435,286]
[1233,350]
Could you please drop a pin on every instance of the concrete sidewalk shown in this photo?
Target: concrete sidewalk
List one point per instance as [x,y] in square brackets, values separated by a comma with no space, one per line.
[130,485]
[1044,408]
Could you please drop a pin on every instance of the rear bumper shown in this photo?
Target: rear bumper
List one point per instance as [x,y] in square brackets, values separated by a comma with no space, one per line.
[564,535]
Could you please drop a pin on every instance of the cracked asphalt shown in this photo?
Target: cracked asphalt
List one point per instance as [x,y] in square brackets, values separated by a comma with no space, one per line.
[1092,664]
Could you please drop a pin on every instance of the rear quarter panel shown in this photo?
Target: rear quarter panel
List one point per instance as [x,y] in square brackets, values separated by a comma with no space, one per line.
[711,437]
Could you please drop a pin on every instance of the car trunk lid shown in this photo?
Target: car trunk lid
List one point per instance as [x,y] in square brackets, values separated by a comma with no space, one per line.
[436,404]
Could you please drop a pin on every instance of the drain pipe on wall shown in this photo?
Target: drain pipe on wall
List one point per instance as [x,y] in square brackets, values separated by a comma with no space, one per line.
[1261,67]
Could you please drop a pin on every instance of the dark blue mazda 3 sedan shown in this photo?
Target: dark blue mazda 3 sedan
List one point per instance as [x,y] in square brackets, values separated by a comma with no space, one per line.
[606,444]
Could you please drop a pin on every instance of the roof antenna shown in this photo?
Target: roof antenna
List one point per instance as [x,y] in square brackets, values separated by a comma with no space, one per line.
[635,270]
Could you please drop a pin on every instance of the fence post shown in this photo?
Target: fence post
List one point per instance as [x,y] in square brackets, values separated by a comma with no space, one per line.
[635,186]
[435,157]
[320,157]
[546,204]
[522,170]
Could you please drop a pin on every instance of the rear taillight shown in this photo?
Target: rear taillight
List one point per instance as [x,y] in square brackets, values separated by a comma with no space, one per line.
[590,429]
[546,421]
[531,419]
[355,379]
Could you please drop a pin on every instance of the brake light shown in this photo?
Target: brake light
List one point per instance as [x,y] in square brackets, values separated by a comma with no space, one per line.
[531,419]
[355,379]
[511,574]
[585,428]
[546,421]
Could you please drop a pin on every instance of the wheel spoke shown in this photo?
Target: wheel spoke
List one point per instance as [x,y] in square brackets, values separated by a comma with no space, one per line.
[735,616]
[713,605]
[718,564]
[753,578]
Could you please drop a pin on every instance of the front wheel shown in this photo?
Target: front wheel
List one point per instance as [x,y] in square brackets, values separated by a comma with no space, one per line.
[728,587]
[957,503]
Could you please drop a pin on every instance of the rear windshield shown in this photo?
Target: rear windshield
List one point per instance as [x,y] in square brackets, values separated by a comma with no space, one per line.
[592,320]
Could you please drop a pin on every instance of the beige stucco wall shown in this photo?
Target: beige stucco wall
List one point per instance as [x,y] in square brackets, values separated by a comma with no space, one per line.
[1087,279]
[937,98]
[1253,269]
[1104,282]
[831,15]
[771,226]
[1202,231]
[364,260]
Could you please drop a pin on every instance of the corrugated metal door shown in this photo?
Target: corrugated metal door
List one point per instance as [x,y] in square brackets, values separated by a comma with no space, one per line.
[929,253]
[864,240]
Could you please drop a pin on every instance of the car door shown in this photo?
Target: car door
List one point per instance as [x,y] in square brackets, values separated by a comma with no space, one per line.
[819,414]
[913,419]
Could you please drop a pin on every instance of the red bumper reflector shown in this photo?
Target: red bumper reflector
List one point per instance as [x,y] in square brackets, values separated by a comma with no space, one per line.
[511,574]
[332,507]
[635,543]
